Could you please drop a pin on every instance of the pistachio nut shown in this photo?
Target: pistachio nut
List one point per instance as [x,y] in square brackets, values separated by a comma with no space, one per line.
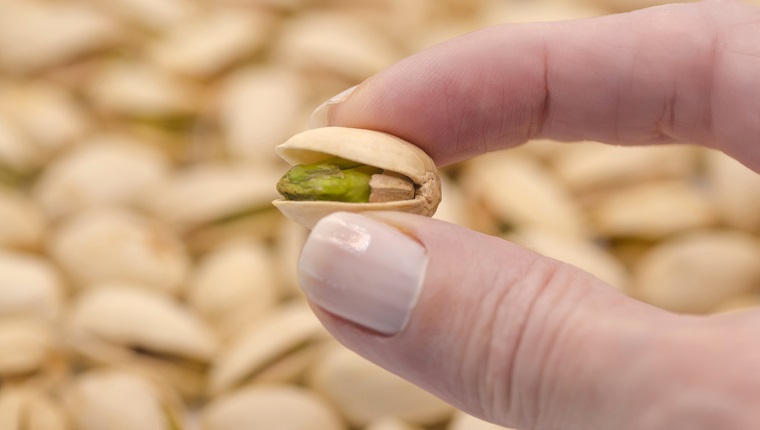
[118,245]
[534,198]
[156,16]
[17,155]
[275,96]
[734,190]
[233,284]
[24,223]
[99,399]
[270,407]
[148,330]
[695,271]
[263,344]
[53,33]
[29,286]
[51,116]
[27,408]
[739,302]
[92,174]
[334,43]
[142,90]
[210,42]
[337,163]
[287,251]
[234,200]
[589,168]
[653,210]
[25,346]
[500,12]
[365,393]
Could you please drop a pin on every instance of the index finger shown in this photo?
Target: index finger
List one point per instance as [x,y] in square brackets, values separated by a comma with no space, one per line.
[673,73]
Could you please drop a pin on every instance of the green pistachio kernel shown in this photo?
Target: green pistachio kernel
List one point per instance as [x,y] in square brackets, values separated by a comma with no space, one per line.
[334,179]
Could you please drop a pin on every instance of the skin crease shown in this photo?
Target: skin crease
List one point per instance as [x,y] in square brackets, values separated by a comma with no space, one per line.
[529,342]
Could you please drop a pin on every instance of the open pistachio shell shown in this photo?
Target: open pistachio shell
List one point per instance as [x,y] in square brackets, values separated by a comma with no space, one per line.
[368,147]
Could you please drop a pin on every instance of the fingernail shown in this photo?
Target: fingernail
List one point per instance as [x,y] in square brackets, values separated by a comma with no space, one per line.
[363,270]
[320,116]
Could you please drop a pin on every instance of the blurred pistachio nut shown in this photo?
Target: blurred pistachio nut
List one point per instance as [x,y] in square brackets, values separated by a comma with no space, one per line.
[353,170]
[27,408]
[116,245]
[365,393]
[263,344]
[271,407]
[25,346]
[695,271]
[29,286]
[93,174]
[147,330]
[235,202]
[120,400]
[24,223]
[233,284]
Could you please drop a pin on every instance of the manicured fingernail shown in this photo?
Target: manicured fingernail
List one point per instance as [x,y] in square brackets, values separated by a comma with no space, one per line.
[363,270]
[320,116]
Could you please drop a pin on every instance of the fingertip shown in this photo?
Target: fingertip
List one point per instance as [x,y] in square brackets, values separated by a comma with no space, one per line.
[320,117]
[363,270]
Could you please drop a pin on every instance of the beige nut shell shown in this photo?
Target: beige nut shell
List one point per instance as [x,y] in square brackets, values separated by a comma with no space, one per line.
[369,147]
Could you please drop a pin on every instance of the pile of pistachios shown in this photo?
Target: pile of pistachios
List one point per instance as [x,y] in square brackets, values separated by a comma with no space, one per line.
[146,280]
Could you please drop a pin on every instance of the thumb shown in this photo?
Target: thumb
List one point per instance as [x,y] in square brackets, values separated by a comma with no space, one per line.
[498,331]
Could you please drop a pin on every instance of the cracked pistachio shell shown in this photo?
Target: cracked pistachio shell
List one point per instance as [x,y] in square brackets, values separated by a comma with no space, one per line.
[368,147]
[270,407]
[119,400]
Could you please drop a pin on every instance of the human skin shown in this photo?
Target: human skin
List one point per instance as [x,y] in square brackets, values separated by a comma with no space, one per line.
[511,336]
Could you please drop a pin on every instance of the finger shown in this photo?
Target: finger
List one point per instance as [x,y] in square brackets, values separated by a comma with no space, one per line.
[496,330]
[672,73]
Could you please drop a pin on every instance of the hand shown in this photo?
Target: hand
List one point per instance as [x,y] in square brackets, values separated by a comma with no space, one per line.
[508,335]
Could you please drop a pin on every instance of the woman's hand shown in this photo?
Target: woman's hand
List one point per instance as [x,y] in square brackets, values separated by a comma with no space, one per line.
[501,332]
